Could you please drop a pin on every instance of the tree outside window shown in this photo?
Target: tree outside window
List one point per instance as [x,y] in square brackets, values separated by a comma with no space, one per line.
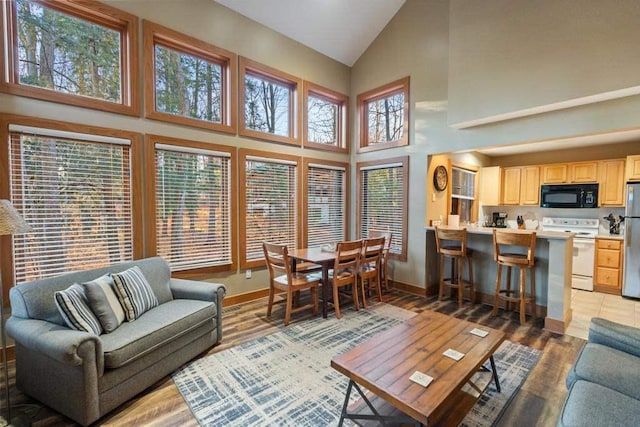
[325,123]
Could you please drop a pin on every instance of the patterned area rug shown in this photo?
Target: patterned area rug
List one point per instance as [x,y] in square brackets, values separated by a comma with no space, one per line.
[285,379]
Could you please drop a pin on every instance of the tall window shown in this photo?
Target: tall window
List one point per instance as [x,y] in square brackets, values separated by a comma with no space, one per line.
[193,205]
[325,119]
[271,103]
[72,52]
[383,200]
[269,209]
[384,116]
[194,82]
[463,193]
[325,202]
[75,191]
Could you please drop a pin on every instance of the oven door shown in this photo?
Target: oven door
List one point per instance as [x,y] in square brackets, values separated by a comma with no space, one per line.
[583,259]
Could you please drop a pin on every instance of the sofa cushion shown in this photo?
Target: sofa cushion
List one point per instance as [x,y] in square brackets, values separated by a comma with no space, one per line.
[608,367]
[74,308]
[154,329]
[134,292]
[590,404]
[104,302]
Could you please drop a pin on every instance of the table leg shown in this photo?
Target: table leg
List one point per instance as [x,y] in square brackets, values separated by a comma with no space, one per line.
[325,289]
[495,373]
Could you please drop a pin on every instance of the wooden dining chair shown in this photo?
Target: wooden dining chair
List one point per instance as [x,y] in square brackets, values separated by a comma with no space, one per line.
[370,267]
[345,273]
[386,251]
[282,278]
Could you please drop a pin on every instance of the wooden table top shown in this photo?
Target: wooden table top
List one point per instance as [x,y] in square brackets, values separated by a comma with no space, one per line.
[384,363]
[315,255]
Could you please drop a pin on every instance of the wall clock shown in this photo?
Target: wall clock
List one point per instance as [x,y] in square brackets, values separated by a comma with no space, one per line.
[440,178]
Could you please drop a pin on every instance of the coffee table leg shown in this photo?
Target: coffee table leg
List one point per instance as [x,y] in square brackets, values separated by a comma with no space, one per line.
[495,373]
[325,289]
[346,404]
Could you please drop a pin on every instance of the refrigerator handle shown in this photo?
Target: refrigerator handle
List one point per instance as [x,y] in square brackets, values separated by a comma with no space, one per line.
[627,233]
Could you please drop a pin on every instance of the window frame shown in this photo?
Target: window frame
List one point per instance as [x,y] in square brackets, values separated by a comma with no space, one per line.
[243,154]
[363,100]
[98,13]
[155,34]
[404,161]
[136,156]
[312,89]
[307,162]
[150,140]
[261,71]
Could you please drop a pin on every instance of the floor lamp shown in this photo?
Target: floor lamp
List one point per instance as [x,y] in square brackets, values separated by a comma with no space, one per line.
[10,223]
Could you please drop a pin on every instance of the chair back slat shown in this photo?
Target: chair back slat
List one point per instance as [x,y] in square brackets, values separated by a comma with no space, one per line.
[347,256]
[277,259]
[372,251]
[506,241]
[451,241]
[387,238]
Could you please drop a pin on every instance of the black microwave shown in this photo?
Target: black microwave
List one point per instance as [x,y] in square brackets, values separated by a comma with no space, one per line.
[569,196]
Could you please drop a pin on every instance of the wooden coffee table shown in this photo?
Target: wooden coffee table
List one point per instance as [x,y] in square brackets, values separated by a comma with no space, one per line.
[384,364]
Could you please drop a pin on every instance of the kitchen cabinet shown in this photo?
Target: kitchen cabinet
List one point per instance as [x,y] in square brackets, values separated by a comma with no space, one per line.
[583,172]
[607,275]
[511,186]
[555,174]
[611,191]
[490,186]
[530,185]
[633,168]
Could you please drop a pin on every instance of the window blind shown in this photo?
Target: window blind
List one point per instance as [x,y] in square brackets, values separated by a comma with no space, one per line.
[381,202]
[326,205]
[193,207]
[271,205]
[76,195]
[463,183]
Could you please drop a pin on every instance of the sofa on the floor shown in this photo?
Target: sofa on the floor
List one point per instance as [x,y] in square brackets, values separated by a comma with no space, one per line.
[83,375]
[604,382]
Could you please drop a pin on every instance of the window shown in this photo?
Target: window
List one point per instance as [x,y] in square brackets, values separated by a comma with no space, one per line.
[76,191]
[325,202]
[326,125]
[383,188]
[269,208]
[192,204]
[463,193]
[271,103]
[194,82]
[78,53]
[384,116]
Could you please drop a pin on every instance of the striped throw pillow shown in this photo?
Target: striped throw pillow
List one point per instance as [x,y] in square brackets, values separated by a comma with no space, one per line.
[104,302]
[134,292]
[74,308]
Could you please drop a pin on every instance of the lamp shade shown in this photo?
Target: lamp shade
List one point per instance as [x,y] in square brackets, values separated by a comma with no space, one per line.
[10,220]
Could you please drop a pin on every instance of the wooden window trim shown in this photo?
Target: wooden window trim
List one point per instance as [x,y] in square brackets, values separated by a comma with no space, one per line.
[307,161]
[398,86]
[404,160]
[312,89]
[150,201]
[248,66]
[6,246]
[242,191]
[98,13]
[155,34]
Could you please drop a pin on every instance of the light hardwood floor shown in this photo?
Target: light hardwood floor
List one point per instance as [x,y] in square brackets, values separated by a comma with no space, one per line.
[586,305]
[537,403]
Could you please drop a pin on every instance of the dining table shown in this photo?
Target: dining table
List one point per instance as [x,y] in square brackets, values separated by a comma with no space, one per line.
[323,257]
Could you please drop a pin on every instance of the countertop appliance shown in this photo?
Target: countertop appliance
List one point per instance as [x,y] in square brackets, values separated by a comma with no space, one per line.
[631,272]
[569,196]
[499,219]
[584,245]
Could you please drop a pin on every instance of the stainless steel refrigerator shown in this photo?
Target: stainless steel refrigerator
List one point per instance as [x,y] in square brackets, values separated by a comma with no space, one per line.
[631,277]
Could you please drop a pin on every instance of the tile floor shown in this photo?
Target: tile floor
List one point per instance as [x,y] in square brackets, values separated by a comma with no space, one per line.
[587,304]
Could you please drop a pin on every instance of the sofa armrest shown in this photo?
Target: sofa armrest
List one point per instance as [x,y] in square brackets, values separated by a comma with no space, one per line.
[204,291]
[615,335]
[62,344]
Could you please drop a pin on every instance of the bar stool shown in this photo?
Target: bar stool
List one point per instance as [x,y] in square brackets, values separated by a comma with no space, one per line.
[512,240]
[452,243]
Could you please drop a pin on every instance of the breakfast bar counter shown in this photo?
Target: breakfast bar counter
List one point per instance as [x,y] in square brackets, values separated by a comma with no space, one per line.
[554,262]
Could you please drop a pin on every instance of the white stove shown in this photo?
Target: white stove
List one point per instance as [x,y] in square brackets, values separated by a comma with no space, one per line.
[586,230]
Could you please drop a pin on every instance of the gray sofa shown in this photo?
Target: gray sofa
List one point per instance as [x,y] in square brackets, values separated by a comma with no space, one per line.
[84,376]
[604,382]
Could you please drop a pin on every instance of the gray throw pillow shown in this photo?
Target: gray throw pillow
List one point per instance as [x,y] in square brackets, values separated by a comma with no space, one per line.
[73,306]
[104,302]
[134,292]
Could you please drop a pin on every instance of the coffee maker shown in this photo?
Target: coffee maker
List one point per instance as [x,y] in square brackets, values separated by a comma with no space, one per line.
[499,219]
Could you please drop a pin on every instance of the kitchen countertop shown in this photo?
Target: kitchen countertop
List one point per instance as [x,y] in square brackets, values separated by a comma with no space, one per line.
[563,235]
[610,236]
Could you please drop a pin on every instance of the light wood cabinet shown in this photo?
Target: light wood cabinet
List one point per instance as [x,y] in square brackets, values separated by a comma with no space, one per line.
[633,168]
[583,172]
[611,191]
[530,185]
[490,186]
[511,186]
[607,275]
[555,173]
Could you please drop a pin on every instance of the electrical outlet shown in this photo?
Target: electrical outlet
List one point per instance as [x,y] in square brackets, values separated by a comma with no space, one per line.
[247,274]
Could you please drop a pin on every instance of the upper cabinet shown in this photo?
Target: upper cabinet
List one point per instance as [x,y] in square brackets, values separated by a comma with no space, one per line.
[521,185]
[563,173]
[555,174]
[611,181]
[633,168]
[490,188]
[511,186]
